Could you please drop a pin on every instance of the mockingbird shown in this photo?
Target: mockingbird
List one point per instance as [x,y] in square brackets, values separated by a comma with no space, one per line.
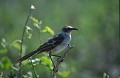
[56,44]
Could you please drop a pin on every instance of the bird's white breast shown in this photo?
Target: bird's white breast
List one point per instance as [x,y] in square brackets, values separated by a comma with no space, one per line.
[64,44]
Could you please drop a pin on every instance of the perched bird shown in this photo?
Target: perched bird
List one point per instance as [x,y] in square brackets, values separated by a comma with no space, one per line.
[56,44]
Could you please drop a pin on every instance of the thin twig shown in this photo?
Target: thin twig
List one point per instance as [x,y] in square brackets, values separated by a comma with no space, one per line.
[40,33]
[21,47]
[59,60]
[36,76]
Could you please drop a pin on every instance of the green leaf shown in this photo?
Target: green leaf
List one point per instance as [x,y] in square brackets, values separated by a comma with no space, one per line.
[105,75]
[29,35]
[28,31]
[40,22]
[16,44]
[34,20]
[25,62]
[30,74]
[64,74]
[1,65]
[4,43]
[45,61]
[3,51]
[6,63]
[35,61]
[14,68]
[36,25]
[48,30]
[1,75]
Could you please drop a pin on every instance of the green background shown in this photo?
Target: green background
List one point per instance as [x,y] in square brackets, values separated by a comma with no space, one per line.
[96,45]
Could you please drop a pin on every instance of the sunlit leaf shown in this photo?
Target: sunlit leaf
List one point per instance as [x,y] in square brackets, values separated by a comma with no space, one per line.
[48,30]
[1,74]
[16,44]
[14,68]
[30,74]
[4,43]
[34,20]
[45,61]
[28,31]
[105,75]
[25,62]
[36,25]
[29,35]
[28,28]
[3,40]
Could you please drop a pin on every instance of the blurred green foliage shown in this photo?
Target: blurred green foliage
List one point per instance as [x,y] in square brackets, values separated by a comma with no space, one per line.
[96,45]
[105,75]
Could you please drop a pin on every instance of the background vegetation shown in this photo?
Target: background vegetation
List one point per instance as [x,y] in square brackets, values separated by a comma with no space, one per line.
[96,47]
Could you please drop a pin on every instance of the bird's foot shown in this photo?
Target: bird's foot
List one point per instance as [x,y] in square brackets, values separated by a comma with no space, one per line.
[59,59]
[55,69]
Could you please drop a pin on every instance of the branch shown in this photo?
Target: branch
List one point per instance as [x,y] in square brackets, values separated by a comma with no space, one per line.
[24,32]
[59,60]
[21,47]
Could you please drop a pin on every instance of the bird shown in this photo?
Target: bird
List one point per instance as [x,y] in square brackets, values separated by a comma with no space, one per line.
[55,44]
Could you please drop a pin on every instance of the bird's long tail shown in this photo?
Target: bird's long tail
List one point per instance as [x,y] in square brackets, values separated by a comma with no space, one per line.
[27,56]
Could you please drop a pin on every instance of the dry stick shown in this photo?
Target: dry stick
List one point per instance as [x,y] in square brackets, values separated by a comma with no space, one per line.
[59,60]
[21,48]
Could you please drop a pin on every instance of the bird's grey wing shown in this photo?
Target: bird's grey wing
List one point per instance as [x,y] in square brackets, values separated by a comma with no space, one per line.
[51,43]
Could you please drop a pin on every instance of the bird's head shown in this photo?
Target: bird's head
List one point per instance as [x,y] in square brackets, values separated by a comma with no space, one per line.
[68,29]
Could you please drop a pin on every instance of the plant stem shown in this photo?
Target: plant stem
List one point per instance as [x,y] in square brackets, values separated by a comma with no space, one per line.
[21,48]
[36,76]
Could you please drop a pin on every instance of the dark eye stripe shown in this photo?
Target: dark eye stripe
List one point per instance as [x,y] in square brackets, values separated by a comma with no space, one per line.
[66,29]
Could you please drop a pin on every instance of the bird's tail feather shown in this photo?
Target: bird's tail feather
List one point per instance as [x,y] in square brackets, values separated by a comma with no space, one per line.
[27,56]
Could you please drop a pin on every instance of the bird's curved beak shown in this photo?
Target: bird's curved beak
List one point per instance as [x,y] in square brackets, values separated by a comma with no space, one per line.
[74,29]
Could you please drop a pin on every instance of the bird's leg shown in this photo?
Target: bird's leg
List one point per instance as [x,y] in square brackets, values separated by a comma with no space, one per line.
[69,47]
[50,54]
[59,57]
[54,69]
[56,56]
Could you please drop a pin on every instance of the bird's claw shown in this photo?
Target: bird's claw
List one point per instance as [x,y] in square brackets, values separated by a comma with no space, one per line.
[55,69]
[59,59]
